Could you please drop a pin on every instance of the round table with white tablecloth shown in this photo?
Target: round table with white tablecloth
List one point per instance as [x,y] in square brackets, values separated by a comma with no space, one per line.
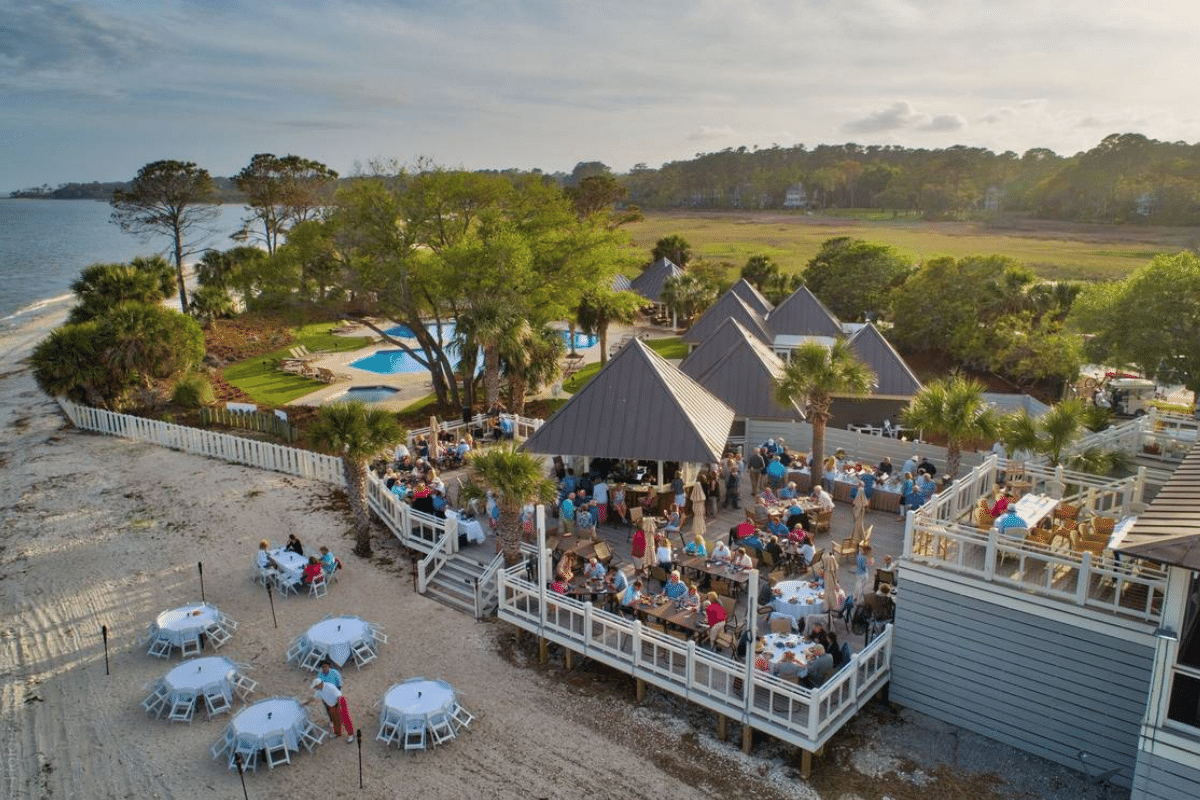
[200,674]
[184,622]
[337,637]
[419,698]
[776,644]
[255,724]
[799,599]
[470,528]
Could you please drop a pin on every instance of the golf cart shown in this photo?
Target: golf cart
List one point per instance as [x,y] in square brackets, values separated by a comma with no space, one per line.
[1126,397]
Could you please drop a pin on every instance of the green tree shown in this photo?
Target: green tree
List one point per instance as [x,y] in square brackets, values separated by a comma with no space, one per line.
[1150,320]
[688,295]
[280,193]
[1055,434]
[354,433]
[158,267]
[760,270]
[211,303]
[515,478]
[102,286]
[813,375]
[530,360]
[600,308]
[599,194]
[955,409]
[854,278]
[673,247]
[171,198]
[223,268]
[69,363]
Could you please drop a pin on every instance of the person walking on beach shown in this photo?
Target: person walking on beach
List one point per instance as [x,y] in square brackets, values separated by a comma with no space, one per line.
[335,706]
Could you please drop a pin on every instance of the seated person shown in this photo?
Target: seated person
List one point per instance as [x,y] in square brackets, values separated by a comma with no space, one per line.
[293,545]
[983,514]
[772,546]
[696,547]
[820,668]
[879,604]
[807,551]
[1011,520]
[884,470]
[823,499]
[788,492]
[632,595]
[767,592]
[329,562]
[740,560]
[594,570]
[714,616]
[664,553]
[438,501]
[263,560]
[674,519]
[1001,505]
[691,599]
[721,552]
[617,582]
[312,571]
[742,530]
[797,535]
[761,662]
[775,525]
[753,542]
[561,585]
[788,666]
[566,567]
[620,508]
[674,588]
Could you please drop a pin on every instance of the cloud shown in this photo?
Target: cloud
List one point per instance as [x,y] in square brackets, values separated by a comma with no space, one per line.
[707,134]
[944,122]
[893,118]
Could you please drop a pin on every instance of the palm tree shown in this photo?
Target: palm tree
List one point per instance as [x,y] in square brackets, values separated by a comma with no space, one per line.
[530,362]
[952,407]
[210,303]
[600,308]
[687,295]
[355,433]
[673,247]
[515,478]
[812,376]
[1053,434]
[69,362]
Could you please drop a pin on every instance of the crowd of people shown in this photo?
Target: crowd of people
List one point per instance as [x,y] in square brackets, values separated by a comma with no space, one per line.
[321,564]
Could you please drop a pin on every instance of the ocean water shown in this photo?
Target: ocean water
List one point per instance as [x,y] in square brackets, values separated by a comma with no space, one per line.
[45,243]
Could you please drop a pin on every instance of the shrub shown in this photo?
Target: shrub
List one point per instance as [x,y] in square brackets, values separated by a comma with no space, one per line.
[192,391]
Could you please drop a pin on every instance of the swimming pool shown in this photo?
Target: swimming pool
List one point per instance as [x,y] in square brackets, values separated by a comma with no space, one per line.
[583,341]
[366,394]
[391,362]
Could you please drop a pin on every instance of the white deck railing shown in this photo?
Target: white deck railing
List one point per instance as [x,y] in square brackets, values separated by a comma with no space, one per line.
[523,427]
[806,718]
[487,587]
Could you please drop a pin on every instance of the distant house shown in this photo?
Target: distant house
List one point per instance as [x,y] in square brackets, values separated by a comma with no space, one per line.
[1144,204]
[795,196]
[992,198]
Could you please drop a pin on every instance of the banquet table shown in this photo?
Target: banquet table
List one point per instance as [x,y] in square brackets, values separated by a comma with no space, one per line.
[254,725]
[337,637]
[886,496]
[776,644]
[1033,508]
[799,599]
[668,612]
[191,681]
[468,527]
[182,624]
[291,565]
[716,569]
[418,698]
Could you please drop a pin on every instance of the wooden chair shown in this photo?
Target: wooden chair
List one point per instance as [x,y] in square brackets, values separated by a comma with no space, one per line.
[823,522]
[730,606]
[1066,511]
[780,624]
[727,636]
[866,539]
[1103,526]
[659,574]
[887,576]
[603,553]
[845,548]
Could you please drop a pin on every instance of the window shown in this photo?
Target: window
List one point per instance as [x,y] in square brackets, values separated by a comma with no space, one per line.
[1185,682]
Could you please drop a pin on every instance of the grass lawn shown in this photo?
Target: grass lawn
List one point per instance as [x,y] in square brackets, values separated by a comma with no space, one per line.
[1053,250]
[670,348]
[258,377]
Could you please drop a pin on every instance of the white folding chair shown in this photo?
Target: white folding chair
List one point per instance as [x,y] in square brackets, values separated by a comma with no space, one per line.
[318,587]
[217,635]
[389,729]
[182,707]
[364,654]
[263,575]
[223,745]
[244,686]
[156,702]
[312,660]
[295,651]
[227,622]
[379,636]
[276,750]
[312,735]
[440,727]
[414,733]
[249,754]
[461,718]
[217,701]
[160,647]
[190,646]
[285,585]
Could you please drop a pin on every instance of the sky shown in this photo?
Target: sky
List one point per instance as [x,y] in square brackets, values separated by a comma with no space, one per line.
[94,89]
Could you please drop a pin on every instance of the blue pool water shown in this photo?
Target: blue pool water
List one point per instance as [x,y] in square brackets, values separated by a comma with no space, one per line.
[582,340]
[391,362]
[367,394]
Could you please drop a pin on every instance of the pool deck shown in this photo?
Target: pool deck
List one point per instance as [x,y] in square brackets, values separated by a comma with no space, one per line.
[413,386]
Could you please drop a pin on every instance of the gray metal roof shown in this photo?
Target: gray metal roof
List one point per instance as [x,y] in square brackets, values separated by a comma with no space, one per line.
[802,314]
[713,349]
[745,378]
[620,283]
[1008,403]
[728,306]
[638,406]
[650,283]
[893,378]
[1168,532]
[753,297]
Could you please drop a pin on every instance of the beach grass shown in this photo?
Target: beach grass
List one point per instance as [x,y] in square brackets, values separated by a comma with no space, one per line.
[1054,251]
[259,377]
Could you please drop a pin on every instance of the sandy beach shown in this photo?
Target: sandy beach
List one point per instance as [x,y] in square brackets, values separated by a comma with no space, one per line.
[100,531]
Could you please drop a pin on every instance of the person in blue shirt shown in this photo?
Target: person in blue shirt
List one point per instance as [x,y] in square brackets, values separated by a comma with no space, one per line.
[868,480]
[776,472]
[752,541]
[1011,519]
[674,588]
[566,516]
[594,570]
[617,582]
[330,675]
[788,492]
[696,547]
[776,527]
[439,504]
[633,593]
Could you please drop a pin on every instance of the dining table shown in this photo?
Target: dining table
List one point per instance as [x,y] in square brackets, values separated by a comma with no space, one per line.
[672,613]
[1033,508]
[193,679]
[256,725]
[335,638]
[776,644]
[420,702]
[722,570]
[289,565]
[798,599]
[468,527]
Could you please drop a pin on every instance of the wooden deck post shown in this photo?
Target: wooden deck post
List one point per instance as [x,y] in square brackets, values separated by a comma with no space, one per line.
[641,690]
[569,658]
[747,738]
[805,763]
[543,650]
[722,727]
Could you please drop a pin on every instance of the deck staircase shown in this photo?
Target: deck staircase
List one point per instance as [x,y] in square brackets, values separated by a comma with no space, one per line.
[454,583]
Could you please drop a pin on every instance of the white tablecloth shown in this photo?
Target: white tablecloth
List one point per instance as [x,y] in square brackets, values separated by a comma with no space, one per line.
[180,623]
[779,643]
[254,724]
[291,565]
[1033,508]
[200,674]
[468,527]
[337,636]
[802,592]
[418,698]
